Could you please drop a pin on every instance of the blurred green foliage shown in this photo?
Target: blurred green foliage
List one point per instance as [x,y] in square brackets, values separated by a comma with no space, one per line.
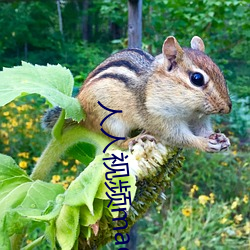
[30,32]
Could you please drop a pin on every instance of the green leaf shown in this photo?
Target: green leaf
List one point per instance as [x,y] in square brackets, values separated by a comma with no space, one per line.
[10,222]
[50,234]
[83,152]
[39,194]
[67,226]
[9,168]
[86,218]
[51,215]
[14,198]
[6,186]
[4,240]
[20,198]
[53,82]
[82,190]
[86,232]
[14,223]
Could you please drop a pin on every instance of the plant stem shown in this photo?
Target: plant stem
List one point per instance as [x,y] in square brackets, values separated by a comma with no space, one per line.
[16,240]
[57,147]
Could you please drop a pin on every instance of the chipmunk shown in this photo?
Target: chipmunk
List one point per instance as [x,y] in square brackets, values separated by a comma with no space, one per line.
[170,96]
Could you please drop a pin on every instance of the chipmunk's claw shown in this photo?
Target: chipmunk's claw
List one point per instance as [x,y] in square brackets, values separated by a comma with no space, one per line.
[218,142]
[141,139]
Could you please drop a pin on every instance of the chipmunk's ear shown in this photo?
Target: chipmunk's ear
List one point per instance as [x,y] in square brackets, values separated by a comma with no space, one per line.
[197,43]
[171,49]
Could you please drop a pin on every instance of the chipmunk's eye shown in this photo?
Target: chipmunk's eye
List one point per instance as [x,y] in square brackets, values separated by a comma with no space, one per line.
[197,79]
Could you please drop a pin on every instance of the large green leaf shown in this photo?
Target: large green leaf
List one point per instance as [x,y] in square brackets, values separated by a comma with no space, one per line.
[53,82]
[39,194]
[9,168]
[82,190]
[6,186]
[83,152]
[67,226]
[86,218]
[21,199]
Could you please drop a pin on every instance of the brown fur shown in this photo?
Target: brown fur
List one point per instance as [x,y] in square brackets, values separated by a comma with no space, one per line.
[156,95]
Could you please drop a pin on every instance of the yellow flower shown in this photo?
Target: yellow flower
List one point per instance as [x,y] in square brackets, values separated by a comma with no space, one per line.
[24,154]
[6,141]
[223,235]
[247,227]
[183,248]
[238,218]
[193,190]
[14,123]
[73,168]
[55,178]
[4,134]
[77,162]
[224,164]
[6,113]
[203,199]
[187,211]
[12,105]
[65,163]
[238,159]
[23,107]
[245,199]
[238,233]
[35,159]
[6,149]
[223,220]
[211,195]
[235,203]
[29,124]
[70,178]
[197,242]
[234,152]
[23,164]
[65,185]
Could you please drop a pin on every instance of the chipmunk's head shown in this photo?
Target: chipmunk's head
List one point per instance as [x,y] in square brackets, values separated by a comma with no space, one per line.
[198,77]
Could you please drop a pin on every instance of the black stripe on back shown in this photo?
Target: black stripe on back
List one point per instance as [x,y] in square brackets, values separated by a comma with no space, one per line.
[118,77]
[118,63]
[142,53]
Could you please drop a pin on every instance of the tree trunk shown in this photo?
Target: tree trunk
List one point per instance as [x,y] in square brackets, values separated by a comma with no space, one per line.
[85,20]
[135,23]
[59,16]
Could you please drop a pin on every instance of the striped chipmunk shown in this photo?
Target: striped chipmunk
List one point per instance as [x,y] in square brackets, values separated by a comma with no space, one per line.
[169,97]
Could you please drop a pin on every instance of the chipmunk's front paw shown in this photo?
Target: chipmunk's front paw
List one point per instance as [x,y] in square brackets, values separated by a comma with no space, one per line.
[141,139]
[218,142]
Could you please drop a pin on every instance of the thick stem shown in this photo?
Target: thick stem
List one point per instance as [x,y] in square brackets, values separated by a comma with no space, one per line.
[57,147]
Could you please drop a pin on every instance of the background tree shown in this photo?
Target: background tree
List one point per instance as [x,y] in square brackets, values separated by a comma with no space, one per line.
[135,23]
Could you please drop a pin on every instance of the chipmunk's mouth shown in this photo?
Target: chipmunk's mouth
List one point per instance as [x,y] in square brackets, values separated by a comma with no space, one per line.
[224,108]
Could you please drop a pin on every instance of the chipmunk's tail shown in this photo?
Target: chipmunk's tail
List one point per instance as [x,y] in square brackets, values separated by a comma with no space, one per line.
[50,117]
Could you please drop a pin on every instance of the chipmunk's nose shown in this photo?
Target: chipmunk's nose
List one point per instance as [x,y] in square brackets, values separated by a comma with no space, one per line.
[227,108]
